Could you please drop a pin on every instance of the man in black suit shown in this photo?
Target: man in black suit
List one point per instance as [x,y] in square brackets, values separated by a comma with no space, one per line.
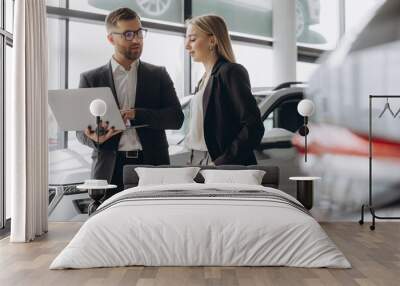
[145,95]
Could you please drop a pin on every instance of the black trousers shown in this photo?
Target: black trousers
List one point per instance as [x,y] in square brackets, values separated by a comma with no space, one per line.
[123,158]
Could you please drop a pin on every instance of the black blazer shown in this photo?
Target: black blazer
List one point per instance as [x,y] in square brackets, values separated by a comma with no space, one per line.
[156,104]
[232,120]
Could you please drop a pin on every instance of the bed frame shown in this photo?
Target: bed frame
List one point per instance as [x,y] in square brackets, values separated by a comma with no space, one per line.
[270,179]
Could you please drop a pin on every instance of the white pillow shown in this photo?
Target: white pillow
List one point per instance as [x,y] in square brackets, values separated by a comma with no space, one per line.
[248,177]
[163,176]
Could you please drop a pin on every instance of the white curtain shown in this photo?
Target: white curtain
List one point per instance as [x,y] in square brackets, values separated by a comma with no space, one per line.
[27,149]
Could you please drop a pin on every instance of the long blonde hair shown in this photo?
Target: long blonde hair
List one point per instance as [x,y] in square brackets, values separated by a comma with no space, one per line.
[216,26]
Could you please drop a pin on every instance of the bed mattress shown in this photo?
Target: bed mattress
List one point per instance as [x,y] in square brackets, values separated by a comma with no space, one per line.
[201,225]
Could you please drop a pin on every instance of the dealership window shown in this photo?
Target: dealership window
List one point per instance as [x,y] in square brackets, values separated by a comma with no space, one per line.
[9,11]
[171,55]
[55,3]
[162,10]
[3,205]
[304,70]
[9,67]
[88,49]
[255,58]
[252,17]
[56,80]
[55,28]
[258,62]
[87,37]
[6,43]
[77,43]
[317,23]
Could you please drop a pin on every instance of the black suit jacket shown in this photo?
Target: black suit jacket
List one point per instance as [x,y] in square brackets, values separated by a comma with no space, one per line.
[232,120]
[156,104]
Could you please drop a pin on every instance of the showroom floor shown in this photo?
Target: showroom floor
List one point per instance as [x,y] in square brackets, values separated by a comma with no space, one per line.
[374,255]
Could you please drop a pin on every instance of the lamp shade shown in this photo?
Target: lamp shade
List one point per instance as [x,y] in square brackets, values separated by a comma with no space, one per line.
[98,107]
[306,107]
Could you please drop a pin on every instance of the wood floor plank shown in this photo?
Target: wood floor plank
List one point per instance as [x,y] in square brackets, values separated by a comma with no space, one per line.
[374,255]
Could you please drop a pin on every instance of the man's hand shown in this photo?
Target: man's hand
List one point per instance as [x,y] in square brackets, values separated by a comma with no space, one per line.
[128,114]
[104,136]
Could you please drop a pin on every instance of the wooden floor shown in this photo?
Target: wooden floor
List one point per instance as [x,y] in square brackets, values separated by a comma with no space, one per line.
[375,257]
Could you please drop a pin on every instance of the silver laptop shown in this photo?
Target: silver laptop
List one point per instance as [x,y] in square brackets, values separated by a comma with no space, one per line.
[71,108]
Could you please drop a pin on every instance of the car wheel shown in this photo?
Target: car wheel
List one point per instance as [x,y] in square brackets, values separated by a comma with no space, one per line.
[154,7]
[301,15]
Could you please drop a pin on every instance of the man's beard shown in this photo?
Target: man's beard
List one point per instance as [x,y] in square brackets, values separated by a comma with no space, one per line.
[131,55]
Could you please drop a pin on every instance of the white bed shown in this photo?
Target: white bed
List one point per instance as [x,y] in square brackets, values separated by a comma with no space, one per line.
[207,230]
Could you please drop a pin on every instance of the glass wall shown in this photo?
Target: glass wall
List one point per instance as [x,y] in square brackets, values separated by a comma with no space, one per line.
[318,23]
[55,28]
[304,70]
[88,49]
[252,17]
[255,58]
[77,45]
[170,56]
[163,10]
[6,29]
[9,10]
[85,38]
[9,69]
[85,46]
[258,62]
[2,135]
[56,80]
[56,3]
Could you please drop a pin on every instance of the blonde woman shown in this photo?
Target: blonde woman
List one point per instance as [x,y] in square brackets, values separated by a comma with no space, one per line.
[225,123]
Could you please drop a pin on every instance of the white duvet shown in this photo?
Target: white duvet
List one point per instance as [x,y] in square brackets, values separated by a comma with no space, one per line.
[200,231]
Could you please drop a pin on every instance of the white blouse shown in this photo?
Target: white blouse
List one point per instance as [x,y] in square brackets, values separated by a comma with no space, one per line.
[195,137]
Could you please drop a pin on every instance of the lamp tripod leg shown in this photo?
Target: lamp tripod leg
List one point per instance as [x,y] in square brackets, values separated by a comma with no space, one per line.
[98,121]
[305,137]
[305,146]
[361,221]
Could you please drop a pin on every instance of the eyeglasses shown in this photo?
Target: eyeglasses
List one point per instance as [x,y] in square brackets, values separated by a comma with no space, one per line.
[130,35]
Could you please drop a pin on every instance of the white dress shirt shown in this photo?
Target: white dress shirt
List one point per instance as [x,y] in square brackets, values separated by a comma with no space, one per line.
[125,82]
[195,137]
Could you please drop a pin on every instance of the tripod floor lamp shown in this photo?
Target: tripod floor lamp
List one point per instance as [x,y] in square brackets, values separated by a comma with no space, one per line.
[306,108]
